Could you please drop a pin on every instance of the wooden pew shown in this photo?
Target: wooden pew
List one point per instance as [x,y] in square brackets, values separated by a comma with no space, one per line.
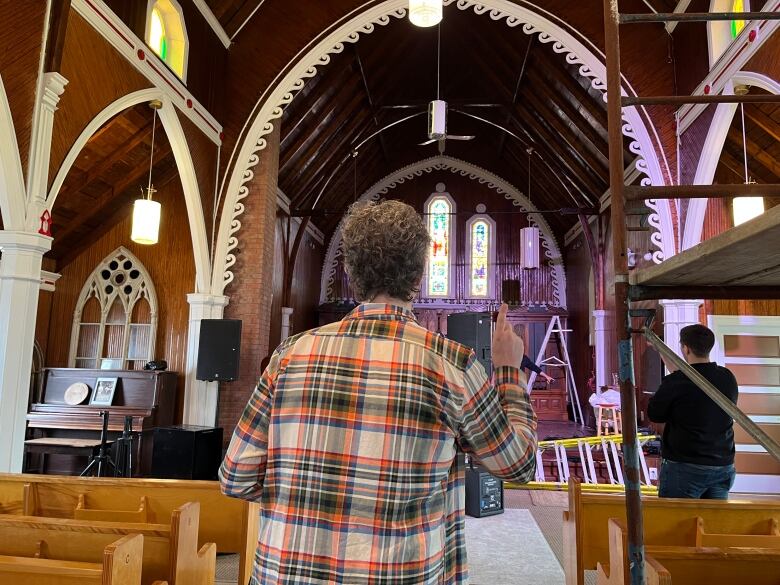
[120,564]
[169,553]
[230,523]
[690,565]
[666,520]
[11,497]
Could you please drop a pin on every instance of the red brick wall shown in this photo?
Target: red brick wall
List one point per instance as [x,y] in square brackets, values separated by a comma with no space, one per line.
[251,290]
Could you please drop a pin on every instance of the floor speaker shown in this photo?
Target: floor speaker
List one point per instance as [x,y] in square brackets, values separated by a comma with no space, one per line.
[484,493]
[186,452]
[219,350]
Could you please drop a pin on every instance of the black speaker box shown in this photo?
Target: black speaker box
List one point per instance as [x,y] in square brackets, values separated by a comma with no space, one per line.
[510,292]
[484,493]
[474,330]
[219,350]
[186,452]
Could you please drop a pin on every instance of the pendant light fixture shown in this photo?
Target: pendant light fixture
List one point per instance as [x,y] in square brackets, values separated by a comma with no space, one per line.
[746,208]
[425,12]
[146,212]
[529,236]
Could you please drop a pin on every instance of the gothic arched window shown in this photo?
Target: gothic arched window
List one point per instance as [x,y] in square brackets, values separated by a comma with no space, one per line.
[115,321]
[439,210]
[166,34]
[481,256]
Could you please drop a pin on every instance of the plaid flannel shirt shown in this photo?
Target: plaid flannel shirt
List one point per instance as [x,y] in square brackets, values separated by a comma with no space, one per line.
[349,444]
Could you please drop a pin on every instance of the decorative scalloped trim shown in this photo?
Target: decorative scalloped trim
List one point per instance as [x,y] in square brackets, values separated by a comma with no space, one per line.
[437,163]
[663,237]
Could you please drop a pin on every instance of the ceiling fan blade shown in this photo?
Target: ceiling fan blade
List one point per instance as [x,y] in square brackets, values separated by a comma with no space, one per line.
[402,106]
[427,142]
[460,137]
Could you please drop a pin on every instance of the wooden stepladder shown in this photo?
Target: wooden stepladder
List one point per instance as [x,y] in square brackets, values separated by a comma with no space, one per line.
[555,328]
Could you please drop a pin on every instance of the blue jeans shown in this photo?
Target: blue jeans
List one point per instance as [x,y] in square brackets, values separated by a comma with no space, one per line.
[689,480]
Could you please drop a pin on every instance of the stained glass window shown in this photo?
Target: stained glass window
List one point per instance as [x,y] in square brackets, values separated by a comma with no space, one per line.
[737,25]
[166,35]
[480,242]
[439,210]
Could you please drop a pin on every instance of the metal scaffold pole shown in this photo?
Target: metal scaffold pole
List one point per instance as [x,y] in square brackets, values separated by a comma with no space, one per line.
[631,447]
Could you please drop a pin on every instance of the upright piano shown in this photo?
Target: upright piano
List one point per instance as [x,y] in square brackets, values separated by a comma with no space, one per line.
[149,397]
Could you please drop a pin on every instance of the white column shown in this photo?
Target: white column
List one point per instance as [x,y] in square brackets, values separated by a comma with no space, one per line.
[200,397]
[286,314]
[678,314]
[20,283]
[600,343]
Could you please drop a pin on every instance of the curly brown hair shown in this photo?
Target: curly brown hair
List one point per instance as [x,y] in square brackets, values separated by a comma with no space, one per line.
[385,249]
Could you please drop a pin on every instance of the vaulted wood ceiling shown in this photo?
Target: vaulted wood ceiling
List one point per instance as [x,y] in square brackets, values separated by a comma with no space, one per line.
[107,176]
[488,71]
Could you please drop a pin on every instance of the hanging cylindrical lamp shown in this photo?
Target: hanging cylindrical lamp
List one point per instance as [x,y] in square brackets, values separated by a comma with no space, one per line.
[146,211]
[529,236]
[529,252]
[745,208]
[425,12]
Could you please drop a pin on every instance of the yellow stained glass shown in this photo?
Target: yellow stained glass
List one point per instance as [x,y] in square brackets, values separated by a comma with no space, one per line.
[480,238]
[737,25]
[157,38]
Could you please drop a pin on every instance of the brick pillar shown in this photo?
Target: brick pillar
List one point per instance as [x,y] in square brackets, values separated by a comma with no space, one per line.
[251,290]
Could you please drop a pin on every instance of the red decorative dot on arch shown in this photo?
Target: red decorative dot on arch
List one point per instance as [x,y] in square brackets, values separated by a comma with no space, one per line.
[752,36]
[707,90]
[141,54]
[222,136]
[189,103]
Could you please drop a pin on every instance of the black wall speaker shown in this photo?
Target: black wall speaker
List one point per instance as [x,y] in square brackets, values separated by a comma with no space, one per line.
[474,330]
[219,350]
[186,452]
[510,292]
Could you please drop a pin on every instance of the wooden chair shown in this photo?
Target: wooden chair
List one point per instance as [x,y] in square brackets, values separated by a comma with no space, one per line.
[230,523]
[666,521]
[170,551]
[689,565]
[120,564]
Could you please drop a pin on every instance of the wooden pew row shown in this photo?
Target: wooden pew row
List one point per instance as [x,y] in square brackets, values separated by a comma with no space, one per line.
[169,553]
[120,564]
[666,520]
[690,565]
[230,523]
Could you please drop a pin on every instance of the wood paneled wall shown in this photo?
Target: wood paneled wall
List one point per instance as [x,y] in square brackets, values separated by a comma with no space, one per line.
[207,54]
[171,266]
[306,281]
[535,285]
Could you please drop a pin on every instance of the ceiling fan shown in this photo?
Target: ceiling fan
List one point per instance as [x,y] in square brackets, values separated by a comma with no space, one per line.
[437,126]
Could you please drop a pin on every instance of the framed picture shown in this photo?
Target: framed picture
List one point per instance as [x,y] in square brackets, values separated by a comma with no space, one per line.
[103,394]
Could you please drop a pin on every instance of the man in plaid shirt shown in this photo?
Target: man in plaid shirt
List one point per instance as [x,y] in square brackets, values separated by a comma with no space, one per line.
[349,441]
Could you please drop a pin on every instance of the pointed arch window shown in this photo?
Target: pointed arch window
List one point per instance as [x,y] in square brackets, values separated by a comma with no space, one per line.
[166,34]
[721,33]
[481,256]
[115,321]
[440,209]
[737,25]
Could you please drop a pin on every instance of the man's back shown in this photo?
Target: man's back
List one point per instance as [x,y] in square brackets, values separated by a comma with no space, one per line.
[361,483]
[697,430]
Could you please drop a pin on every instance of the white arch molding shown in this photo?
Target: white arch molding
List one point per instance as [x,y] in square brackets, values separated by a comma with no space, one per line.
[12,192]
[531,20]
[184,164]
[713,146]
[436,163]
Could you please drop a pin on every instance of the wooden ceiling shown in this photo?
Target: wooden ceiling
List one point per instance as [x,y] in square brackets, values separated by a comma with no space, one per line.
[489,71]
[762,131]
[106,178]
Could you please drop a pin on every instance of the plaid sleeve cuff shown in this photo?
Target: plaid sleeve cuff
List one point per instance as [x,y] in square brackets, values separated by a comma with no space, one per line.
[508,375]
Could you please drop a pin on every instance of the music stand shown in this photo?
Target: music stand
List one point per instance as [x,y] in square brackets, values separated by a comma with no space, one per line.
[95,466]
[124,450]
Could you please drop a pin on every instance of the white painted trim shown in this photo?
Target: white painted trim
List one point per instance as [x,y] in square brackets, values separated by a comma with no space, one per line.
[184,163]
[682,6]
[282,90]
[491,271]
[730,62]
[12,191]
[248,18]
[771,419]
[49,280]
[759,389]
[212,22]
[453,239]
[442,162]
[713,146]
[116,32]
